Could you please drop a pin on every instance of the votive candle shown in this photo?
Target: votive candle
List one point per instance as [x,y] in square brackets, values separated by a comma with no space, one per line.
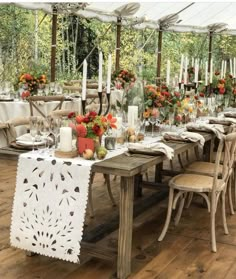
[66,139]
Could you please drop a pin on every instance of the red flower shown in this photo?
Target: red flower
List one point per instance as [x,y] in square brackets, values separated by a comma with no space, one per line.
[92,114]
[79,119]
[97,130]
[28,77]
[71,115]
[81,130]
[222,91]
[177,94]
[201,94]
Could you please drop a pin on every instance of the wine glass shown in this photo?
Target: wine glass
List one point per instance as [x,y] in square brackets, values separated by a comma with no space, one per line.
[54,127]
[33,129]
[153,121]
[44,131]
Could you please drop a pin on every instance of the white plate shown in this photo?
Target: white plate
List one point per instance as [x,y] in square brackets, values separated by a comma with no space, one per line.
[29,143]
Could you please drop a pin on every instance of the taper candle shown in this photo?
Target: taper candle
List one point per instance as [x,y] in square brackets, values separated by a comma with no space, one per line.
[109,74]
[100,72]
[84,81]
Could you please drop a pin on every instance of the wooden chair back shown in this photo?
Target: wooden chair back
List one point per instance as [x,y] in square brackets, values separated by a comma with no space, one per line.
[228,145]
[33,102]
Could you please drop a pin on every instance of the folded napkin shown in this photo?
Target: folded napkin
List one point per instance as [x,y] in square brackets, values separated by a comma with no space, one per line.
[217,129]
[26,139]
[230,114]
[156,146]
[223,121]
[185,136]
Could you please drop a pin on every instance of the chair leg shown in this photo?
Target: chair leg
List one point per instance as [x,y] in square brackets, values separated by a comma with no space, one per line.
[213,228]
[230,195]
[190,197]
[168,217]
[180,210]
[223,213]
[108,183]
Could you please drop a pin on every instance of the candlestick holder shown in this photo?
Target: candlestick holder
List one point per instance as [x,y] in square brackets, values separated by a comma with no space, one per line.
[100,102]
[83,106]
[108,103]
[195,87]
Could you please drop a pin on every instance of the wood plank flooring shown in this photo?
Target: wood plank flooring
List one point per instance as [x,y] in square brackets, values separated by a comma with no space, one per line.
[184,253]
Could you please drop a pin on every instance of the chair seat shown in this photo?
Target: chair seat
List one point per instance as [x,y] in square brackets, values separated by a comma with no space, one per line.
[194,183]
[205,168]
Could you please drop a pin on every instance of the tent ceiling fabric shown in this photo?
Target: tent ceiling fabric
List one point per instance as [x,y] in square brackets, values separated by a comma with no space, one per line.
[195,18]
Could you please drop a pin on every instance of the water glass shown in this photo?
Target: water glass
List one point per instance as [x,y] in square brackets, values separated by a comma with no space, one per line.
[33,129]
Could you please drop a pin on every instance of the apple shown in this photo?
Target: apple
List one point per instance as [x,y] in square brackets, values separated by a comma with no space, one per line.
[88,154]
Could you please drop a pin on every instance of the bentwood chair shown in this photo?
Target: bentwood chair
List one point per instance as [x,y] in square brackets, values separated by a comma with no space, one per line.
[207,168]
[211,188]
[35,100]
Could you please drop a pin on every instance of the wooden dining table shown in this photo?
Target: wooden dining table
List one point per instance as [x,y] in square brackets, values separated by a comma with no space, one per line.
[128,167]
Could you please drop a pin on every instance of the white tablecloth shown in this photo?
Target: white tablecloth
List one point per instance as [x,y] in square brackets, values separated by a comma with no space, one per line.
[9,110]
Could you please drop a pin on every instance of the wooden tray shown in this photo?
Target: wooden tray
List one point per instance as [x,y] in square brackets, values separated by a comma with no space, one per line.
[70,154]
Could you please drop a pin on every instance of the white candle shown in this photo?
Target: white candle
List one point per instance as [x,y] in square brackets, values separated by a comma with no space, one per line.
[234,67]
[109,75]
[222,69]
[84,81]
[225,68]
[192,61]
[132,116]
[118,126]
[196,71]
[181,68]
[168,73]
[186,70]
[65,139]
[231,67]
[206,73]
[100,72]
[211,70]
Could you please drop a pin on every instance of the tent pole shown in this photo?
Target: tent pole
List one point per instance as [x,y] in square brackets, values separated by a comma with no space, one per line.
[53,47]
[118,35]
[158,81]
[209,58]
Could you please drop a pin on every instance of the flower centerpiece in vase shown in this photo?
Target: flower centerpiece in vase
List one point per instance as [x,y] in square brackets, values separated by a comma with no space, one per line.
[124,81]
[162,99]
[89,129]
[30,84]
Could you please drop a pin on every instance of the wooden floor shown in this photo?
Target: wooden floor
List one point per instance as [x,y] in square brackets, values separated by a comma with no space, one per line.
[184,253]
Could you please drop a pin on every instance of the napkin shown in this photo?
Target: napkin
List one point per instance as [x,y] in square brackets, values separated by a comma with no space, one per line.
[217,129]
[156,146]
[189,136]
[230,114]
[223,121]
[26,139]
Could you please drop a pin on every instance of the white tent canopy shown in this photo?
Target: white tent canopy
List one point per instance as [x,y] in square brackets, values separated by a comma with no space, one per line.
[192,16]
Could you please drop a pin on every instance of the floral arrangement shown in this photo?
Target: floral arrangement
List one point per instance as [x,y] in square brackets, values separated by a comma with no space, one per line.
[123,77]
[31,83]
[222,85]
[92,125]
[159,97]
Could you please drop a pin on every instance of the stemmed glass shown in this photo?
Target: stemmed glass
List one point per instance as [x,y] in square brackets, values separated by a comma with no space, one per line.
[33,129]
[54,127]
[153,121]
[44,131]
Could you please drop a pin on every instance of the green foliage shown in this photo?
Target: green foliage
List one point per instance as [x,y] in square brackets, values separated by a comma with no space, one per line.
[17,46]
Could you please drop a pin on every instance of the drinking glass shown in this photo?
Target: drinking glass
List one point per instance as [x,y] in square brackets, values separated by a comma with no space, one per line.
[44,131]
[33,129]
[153,121]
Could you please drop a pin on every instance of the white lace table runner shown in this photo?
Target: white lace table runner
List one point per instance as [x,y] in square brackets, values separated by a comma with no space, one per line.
[49,206]
[50,203]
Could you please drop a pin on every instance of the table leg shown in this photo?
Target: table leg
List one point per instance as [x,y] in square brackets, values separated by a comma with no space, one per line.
[125,227]
[158,172]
